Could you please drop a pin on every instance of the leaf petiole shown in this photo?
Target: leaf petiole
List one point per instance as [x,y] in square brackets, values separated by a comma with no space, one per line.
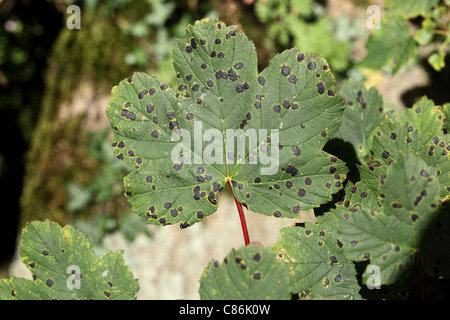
[241,217]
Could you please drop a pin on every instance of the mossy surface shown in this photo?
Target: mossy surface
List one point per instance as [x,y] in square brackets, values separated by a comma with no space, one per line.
[58,152]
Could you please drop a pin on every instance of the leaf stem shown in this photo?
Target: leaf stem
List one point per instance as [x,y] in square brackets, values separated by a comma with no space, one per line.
[241,217]
[422,283]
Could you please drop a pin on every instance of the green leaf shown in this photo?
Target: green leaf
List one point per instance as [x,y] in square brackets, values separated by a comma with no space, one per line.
[394,138]
[437,60]
[445,109]
[426,117]
[250,273]
[316,261]
[263,133]
[363,113]
[392,45]
[411,8]
[390,237]
[359,194]
[64,266]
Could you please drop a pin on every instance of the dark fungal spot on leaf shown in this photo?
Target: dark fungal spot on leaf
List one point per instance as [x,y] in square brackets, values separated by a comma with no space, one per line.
[327,185]
[257,180]
[217,41]
[414,217]
[393,135]
[277,214]
[320,87]
[296,150]
[276,108]
[285,70]
[385,154]
[291,170]
[49,283]
[301,192]
[292,78]
[200,214]
[424,173]
[167,205]
[230,34]
[45,252]
[262,81]
[308,181]
[131,116]
[239,65]
[142,94]
[150,108]
[301,57]
[312,65]
[189,49]
[220,55]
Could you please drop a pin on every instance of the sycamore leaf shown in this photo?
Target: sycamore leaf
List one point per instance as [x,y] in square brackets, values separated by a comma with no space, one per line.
[251,273]
[426,117]
[359,194]
[394,138]
[363,113]
[404,224]
[64,267]
[317,265]
[225,123]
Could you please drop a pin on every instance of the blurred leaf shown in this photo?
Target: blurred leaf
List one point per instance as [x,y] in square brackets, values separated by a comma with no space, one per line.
[79,197]
[437,60]
[426,33]
[411,8]
[392,45]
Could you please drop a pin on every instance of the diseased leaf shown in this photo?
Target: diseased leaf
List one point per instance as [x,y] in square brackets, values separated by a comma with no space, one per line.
[64,267]
[249,273]
[391,236]
[263,133]
[393,138]
[317,265]
[426,117]
[363,113]
[359,194]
